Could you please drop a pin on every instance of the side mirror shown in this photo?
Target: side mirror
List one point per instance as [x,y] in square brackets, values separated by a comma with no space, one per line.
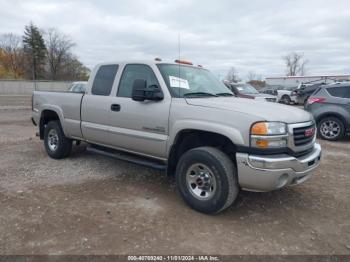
[140,91]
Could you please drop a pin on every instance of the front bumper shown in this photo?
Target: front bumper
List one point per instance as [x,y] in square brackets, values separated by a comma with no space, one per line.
[266,173]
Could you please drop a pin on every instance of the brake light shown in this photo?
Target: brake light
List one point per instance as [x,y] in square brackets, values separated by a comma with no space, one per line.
[183,62]
[313,100]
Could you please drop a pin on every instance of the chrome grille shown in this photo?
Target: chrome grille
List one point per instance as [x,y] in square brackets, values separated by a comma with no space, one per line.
[300,136]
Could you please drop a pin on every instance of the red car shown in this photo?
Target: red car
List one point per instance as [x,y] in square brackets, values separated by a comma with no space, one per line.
[248,91]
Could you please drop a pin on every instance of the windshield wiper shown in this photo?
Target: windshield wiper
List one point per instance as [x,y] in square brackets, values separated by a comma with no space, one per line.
[199,94]
[224,94]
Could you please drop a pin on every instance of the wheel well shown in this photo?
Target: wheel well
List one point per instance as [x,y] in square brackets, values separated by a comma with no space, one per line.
[46,117]
[189,139]
[340,117]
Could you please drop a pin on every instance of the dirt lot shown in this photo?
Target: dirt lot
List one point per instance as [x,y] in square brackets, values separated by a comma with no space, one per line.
[90,204]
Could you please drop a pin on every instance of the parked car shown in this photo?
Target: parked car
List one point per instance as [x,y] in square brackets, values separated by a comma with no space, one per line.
[271,90]
[303,92]
[248,91]
[179,118]
[330,106]
[78,87]
[287,95]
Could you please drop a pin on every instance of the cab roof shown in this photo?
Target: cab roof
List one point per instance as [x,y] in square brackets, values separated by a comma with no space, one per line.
[148,62]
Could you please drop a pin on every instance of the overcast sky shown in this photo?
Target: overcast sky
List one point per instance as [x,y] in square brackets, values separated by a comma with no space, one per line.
[251,35]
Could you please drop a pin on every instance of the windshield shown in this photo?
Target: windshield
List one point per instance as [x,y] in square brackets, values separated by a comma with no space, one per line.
[246,89]
[188,81]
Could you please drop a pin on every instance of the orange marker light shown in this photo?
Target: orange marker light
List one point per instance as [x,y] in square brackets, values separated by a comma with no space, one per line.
[183,62]
[262,143]
[259,129]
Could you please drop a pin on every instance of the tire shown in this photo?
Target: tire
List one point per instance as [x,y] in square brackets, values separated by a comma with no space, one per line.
[209,165]
[57,145]
[331,128]
[286,100]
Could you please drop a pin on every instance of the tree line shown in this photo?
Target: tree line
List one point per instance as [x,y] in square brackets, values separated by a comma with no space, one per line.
[40,55]
[295,64]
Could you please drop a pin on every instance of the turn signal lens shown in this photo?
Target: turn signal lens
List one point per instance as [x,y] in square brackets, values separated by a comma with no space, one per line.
[259,129]
[262,143]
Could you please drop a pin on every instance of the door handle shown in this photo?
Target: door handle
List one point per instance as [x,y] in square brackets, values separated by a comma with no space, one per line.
[115,107]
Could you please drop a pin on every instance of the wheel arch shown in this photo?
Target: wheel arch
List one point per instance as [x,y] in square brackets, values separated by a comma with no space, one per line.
[46,116]
[286,95]
[332,114]
[189,138]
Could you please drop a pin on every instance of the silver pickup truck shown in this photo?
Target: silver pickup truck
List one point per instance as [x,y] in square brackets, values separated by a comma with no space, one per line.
[180,118]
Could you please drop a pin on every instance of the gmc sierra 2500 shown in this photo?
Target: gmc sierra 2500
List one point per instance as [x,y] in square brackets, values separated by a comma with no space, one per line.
[180,118]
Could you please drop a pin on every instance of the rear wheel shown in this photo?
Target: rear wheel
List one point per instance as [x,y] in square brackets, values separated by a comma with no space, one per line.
[331,128]
[207,179]
[57,145]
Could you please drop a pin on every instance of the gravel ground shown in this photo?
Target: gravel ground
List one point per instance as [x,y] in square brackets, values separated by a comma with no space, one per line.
[90,204]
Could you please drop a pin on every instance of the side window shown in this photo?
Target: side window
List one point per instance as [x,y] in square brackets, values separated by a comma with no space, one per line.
[339,91]
[104,79]
[131,73]
[347,91]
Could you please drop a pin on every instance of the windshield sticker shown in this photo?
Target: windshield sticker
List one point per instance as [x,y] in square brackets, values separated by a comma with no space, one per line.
[178,82]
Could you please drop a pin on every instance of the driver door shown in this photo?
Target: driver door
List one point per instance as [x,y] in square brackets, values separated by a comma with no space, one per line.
[140,127]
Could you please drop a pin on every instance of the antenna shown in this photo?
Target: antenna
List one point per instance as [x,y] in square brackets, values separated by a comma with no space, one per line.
[179,46]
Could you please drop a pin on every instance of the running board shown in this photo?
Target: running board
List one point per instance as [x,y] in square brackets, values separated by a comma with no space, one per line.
[127,157]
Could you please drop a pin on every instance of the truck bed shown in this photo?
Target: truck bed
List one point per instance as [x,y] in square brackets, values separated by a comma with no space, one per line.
[66,104]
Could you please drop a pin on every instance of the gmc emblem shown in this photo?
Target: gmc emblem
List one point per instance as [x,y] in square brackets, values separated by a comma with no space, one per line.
[309,132]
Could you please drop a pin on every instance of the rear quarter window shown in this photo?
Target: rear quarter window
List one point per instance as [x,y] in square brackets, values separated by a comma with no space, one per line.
[339,91]
[317,91]
[104,79]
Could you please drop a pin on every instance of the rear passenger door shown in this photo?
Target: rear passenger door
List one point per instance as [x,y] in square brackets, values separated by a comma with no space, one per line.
[96,106]
[140,127]
[341,97]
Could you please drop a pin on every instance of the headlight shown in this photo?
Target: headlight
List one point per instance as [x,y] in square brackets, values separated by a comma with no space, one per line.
[268,135]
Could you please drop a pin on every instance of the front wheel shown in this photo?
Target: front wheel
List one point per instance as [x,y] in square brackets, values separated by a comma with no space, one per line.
[207,179]
[286,100]
[331,128]
[57,145]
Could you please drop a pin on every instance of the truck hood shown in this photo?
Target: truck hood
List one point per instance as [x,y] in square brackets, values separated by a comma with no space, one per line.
[264,110]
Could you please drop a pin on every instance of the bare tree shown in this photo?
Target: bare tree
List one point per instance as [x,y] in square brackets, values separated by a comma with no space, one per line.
[252,76]
[58,47]
[232,75]
[12,55]
[295,63]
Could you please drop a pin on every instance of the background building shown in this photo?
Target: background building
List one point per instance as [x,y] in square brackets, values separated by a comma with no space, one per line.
[290,81]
